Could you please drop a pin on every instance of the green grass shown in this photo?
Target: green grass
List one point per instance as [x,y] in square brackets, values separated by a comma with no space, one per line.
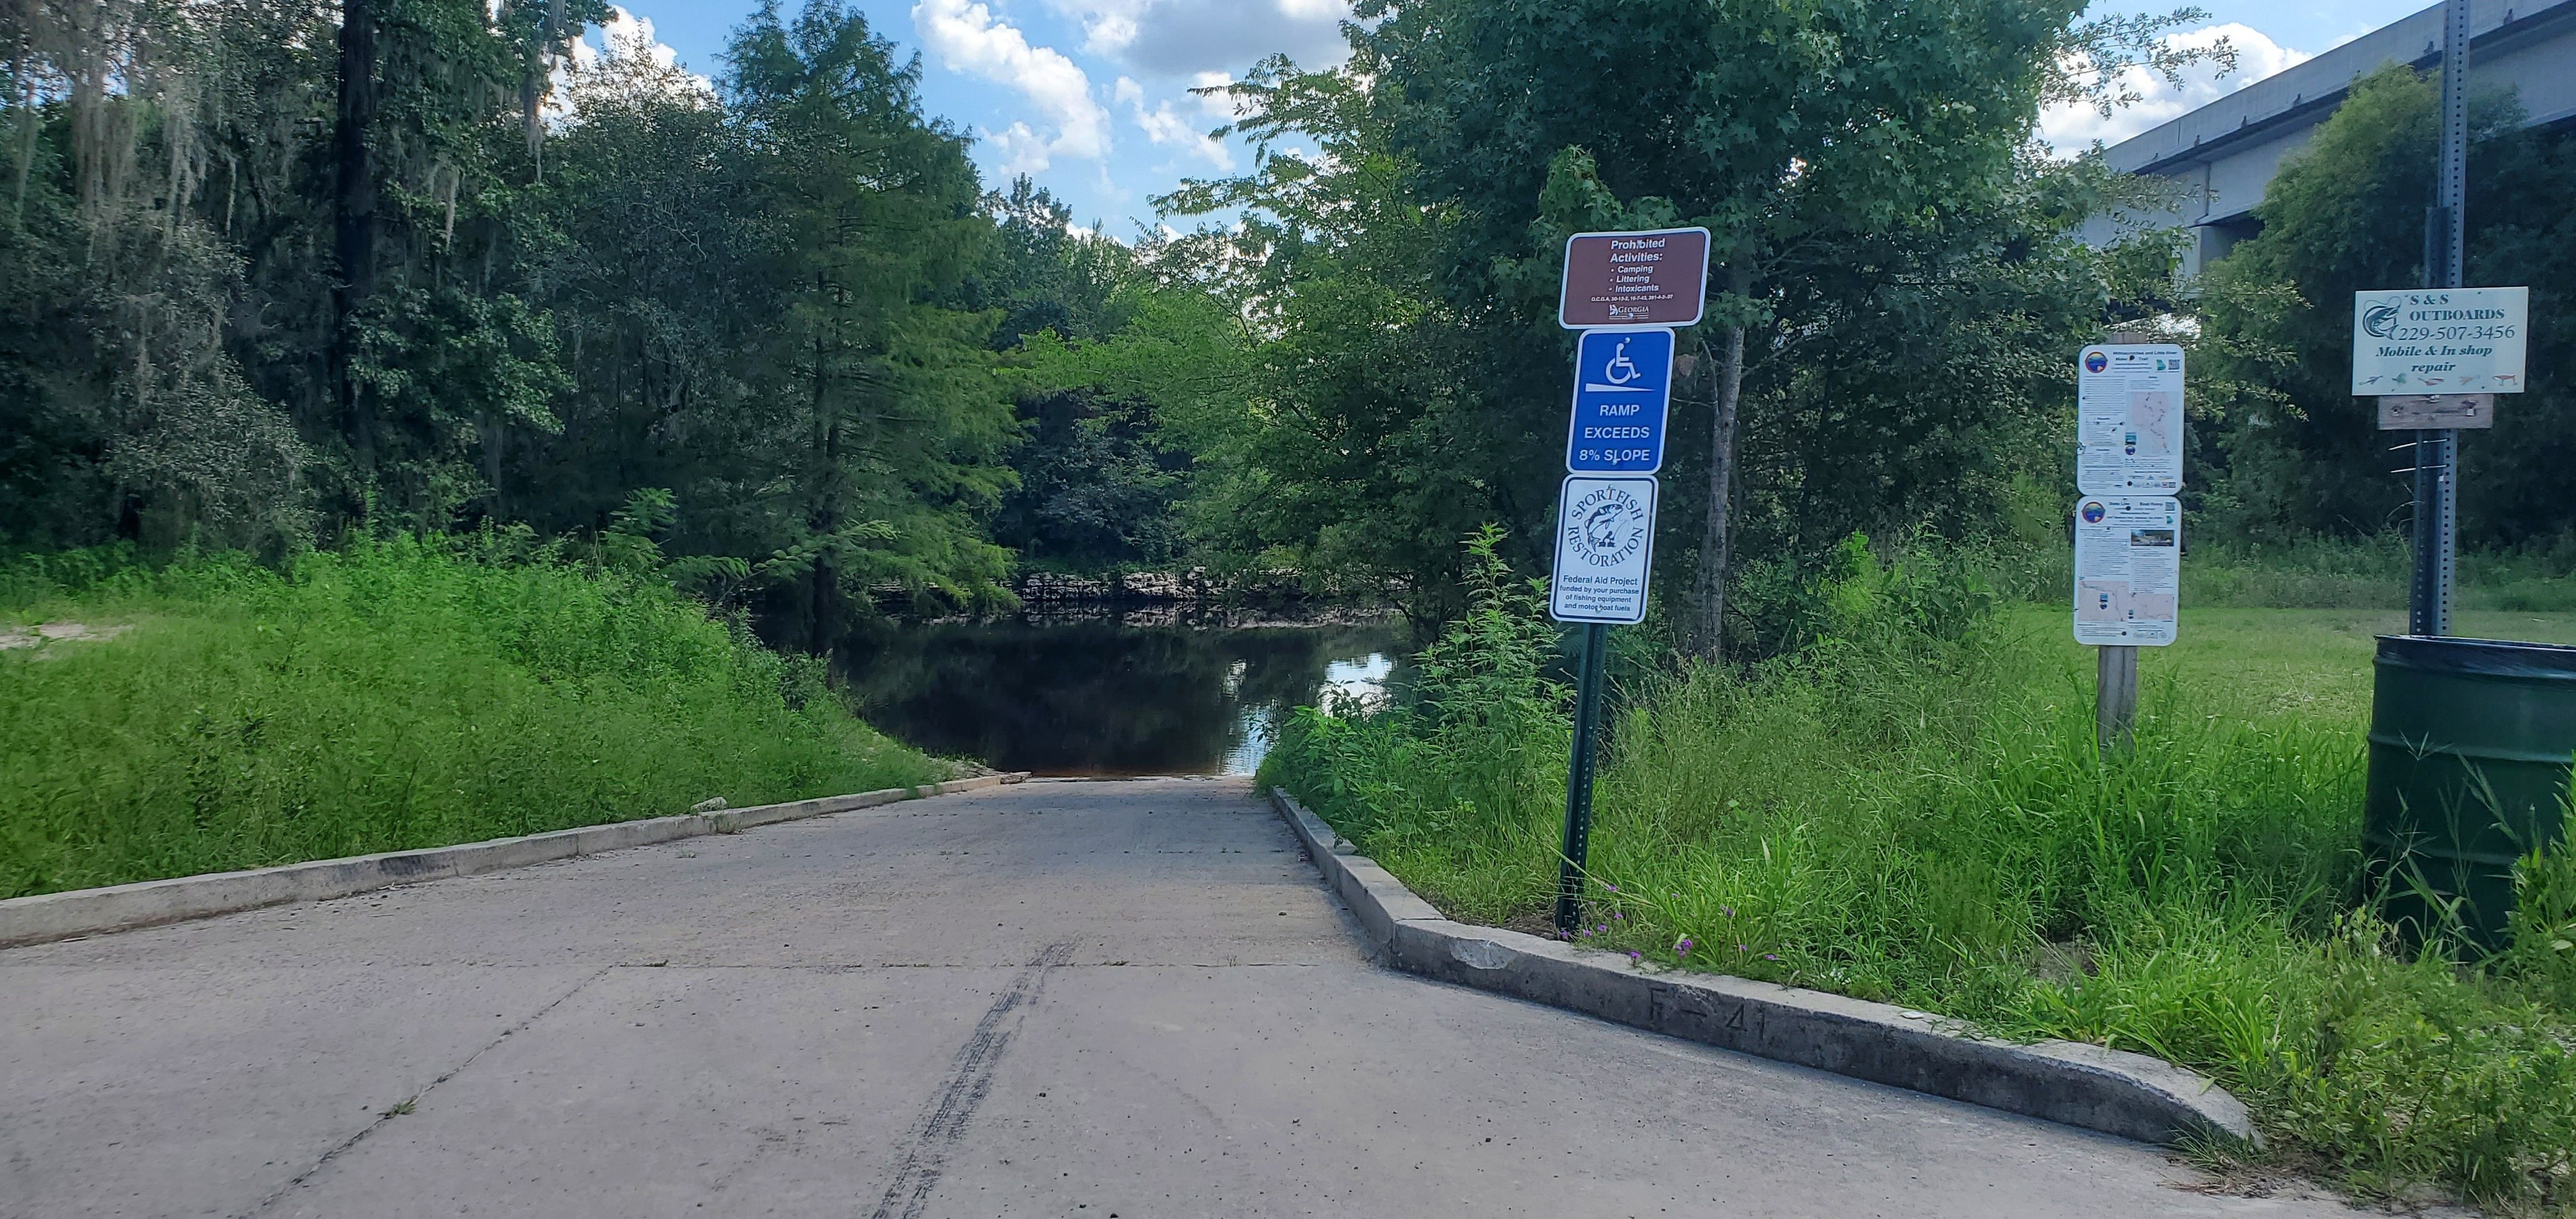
[395,696]
[2341,574]
[1924,821]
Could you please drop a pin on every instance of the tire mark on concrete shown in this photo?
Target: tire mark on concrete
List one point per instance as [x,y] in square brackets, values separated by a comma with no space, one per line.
[970,1076]
[405,1106]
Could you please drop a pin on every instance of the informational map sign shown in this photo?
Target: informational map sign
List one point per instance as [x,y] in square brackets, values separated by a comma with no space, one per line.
[2439,340]
[1605,545]
[1623,387]
[1657,278]
[2128,419]
[2128,570]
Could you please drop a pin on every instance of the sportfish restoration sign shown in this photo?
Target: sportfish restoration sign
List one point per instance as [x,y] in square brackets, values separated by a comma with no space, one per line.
[2439,341]
[1605,546]
[1654,278]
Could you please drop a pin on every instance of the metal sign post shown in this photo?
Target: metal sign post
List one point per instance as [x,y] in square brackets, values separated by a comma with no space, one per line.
[1624,291]
[2437,501]
[1578,781]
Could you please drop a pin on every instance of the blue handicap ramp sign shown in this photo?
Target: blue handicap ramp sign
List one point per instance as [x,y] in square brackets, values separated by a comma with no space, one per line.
[1623,386]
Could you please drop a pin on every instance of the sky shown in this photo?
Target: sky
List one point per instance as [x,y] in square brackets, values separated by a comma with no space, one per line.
[1092,97]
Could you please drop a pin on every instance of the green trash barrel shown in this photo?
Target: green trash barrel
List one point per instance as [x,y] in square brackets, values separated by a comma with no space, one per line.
[2470,742]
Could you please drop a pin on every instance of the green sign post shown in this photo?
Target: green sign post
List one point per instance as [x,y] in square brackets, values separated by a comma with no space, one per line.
[1625,291]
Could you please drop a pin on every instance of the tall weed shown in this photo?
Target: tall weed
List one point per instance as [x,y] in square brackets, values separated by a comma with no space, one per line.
[1461,788]
[400,694]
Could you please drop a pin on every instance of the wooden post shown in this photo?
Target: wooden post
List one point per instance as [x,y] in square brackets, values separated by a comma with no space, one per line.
[2115,696]
[2115,668]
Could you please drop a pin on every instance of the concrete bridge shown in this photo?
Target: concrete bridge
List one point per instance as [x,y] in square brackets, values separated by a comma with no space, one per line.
[2223,155]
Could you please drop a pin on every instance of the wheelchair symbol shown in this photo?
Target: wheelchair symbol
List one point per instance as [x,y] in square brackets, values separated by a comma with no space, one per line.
[1621,370]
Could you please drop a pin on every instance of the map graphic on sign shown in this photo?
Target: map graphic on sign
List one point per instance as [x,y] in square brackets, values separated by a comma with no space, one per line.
[1622,391]
[2151,424]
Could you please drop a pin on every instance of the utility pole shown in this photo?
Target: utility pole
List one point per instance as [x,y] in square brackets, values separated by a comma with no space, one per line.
[2437,512]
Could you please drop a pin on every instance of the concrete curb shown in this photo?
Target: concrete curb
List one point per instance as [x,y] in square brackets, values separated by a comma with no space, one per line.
[2112,1091]
[77,912]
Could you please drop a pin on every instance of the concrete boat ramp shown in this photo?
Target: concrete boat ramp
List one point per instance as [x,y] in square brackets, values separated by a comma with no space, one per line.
[1086,1000]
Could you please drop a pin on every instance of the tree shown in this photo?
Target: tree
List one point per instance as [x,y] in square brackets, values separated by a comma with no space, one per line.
[271,277]
[902,412]
[1358,457]
[125,413]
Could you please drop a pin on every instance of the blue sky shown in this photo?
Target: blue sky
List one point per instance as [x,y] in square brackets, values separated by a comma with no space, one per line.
[1091,97]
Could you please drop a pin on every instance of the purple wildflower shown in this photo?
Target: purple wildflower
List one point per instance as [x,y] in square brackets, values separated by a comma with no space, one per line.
[1742,948]
[1770,956]
[1728,911]
[1635,956]
[1611,887]
[1615,914]
[1683,948]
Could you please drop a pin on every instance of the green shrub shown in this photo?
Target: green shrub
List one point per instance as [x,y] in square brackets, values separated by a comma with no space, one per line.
[398,695]
[1463,788]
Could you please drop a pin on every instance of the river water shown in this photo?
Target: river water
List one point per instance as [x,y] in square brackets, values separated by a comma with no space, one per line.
[1107,697]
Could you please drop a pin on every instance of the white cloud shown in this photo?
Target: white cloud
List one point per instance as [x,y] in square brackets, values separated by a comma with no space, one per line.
[1107,25]
[633,57]
[1176,38]
[624,34]
[1187,129]
[2071,129]
[967,39]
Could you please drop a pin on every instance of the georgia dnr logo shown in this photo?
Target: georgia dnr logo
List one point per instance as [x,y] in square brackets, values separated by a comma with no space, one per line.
[1606,527]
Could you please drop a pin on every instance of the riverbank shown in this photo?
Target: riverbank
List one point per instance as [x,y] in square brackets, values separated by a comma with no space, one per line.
[1901,817]
[213,714]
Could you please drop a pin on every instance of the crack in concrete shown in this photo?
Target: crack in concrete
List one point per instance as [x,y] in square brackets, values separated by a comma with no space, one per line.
[407,1104]
[970,1076]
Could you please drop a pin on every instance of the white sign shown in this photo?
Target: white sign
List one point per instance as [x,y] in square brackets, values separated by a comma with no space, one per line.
[1605,544]
[2128,570]
[2128,419]
[2439,341]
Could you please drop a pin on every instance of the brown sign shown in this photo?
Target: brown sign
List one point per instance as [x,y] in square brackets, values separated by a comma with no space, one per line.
[1657,278]
[2435,412]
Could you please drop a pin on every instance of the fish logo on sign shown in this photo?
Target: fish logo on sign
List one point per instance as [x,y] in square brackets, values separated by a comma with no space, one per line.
[2380,321]
[1610,528]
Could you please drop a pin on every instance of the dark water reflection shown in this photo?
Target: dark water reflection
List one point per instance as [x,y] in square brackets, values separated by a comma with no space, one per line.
[1101,698]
